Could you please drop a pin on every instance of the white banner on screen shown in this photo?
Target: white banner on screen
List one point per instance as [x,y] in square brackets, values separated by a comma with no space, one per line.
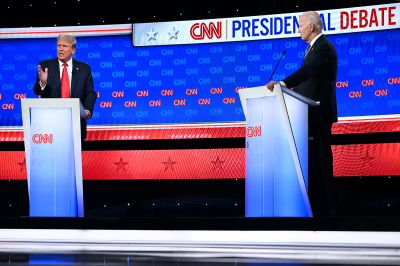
[349,20]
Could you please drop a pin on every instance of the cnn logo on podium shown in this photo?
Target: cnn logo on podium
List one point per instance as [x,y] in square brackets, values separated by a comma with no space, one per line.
[253,131]
[42,138]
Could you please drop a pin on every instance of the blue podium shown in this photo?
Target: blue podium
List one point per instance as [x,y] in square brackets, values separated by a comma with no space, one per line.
[276,152]
[53,151]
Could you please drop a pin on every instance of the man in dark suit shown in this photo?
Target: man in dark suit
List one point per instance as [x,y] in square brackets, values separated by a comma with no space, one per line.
[316,79]
[65,77]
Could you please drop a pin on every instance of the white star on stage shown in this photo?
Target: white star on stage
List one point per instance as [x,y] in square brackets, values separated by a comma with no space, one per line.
[152,34]
[173,34]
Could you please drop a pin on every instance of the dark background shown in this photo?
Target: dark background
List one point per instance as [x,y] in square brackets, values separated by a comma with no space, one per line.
[357,196]
[46,13]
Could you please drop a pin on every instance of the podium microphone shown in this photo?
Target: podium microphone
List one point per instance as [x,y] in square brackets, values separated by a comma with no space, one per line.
[284,52]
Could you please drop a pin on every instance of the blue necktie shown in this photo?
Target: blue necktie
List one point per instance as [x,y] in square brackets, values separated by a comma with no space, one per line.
[307,50]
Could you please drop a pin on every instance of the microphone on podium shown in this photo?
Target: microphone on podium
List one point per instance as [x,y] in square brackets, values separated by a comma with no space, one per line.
[284,52]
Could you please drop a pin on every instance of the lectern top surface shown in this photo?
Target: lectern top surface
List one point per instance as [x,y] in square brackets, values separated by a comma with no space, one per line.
[300,97]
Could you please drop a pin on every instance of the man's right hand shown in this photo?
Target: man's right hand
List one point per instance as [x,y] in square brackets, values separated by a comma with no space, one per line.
[42,75]
[271,84]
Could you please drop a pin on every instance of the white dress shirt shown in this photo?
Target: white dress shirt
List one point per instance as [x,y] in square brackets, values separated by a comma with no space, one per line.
[61,68]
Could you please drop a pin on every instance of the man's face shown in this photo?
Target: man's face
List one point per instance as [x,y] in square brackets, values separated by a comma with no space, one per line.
[64,50]
[305,29]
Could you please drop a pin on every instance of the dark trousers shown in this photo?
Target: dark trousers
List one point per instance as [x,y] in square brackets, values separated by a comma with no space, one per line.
[320,161]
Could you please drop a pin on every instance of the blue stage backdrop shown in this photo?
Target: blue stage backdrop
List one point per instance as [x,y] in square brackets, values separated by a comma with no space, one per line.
[198,83]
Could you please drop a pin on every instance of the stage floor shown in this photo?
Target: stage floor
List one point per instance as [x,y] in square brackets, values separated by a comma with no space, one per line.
[125,259]
[198,241]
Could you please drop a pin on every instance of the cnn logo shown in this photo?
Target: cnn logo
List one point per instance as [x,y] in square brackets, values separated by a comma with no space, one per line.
[198,31]
[42,138]
[253,131]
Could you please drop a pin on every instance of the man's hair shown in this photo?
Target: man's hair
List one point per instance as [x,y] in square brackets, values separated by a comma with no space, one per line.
[69,38]
[314,18]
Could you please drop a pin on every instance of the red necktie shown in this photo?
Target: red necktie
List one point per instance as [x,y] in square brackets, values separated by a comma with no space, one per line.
[65,89]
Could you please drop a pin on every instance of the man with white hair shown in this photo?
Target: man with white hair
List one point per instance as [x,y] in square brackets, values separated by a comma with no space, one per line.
[316,79]
[65,77]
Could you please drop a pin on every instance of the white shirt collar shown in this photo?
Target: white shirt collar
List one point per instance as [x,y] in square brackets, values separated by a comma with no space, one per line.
[69,62]
[315,39]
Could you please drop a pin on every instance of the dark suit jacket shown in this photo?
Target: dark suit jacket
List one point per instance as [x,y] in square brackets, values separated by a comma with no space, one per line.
[82,85]
[316,79]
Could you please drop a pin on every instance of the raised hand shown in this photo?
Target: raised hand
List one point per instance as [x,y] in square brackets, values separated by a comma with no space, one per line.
[42,75]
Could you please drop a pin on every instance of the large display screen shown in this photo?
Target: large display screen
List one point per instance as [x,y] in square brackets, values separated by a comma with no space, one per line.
[178,80]
[199,83]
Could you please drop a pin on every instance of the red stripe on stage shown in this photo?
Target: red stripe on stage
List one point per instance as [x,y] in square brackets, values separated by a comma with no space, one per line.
[144,164]
[201,131]
[137,133]
[11,135]
[164,164]
[366,159]
[12,165]
[348,160]
[366,127]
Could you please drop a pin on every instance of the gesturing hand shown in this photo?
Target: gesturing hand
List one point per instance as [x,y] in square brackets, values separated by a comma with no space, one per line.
[42,75]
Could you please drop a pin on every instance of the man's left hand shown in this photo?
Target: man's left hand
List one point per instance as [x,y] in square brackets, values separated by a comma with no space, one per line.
[271,84]
[88,114]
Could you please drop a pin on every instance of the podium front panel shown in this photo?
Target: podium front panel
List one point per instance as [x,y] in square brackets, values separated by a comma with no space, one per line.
[272,185]
[259,184]
[53,184]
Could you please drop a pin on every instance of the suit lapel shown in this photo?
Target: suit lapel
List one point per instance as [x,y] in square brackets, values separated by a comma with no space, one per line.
[75,73]
[310,53]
